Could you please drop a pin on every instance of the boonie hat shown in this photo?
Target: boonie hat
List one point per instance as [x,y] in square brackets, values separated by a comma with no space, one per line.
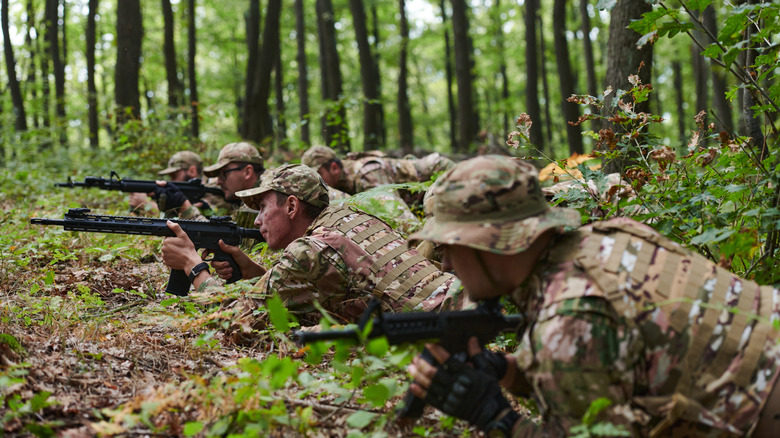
[241,152]
[182,160]
[316,156]
[297,180]
[492,203]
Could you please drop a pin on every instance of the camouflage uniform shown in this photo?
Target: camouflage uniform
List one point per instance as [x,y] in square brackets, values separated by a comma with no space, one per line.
[347,257]
[680,346]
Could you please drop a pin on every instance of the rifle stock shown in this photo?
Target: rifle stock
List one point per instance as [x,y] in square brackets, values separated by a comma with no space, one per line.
[451,329]
[202,234]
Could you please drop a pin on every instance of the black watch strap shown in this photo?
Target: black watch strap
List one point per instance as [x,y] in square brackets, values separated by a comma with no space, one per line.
[197,269]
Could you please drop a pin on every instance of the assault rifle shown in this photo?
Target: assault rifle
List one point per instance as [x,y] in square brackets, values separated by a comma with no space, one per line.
[451,329]
[203,235]
[193,189]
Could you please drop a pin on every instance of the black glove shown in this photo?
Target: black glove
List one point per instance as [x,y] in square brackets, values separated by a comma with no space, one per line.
[464,392]
[169,197]
[490,362]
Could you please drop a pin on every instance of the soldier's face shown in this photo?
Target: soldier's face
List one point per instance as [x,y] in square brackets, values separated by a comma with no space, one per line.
[330,173]
[274,221]
[233,178]
[178,176]
[481,280]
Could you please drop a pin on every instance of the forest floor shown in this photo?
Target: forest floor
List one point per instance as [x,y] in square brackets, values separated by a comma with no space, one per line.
[87,324]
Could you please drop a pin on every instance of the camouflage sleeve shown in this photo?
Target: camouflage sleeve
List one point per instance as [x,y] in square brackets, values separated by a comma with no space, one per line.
[580,354]
[192,214]
[309,271]
[372,174]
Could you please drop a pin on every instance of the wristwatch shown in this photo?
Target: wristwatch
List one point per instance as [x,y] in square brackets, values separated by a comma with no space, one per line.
[502,428]
[197,269]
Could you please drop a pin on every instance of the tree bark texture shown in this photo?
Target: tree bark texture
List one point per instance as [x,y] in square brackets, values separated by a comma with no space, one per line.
[303,80]
[260,128]
[334,121]
[679,101]
[92,114]
[448,71]
[252,23]
[129,35]
[169,50]
[191,55]
[570,110]
[375,25]
[58,67]
[590,64]
[372,100]
[545,84]
[624,59]
[281,123]
[20,119]
[33,50]
[722,110]
[532,74]
[404,111]
[460,29]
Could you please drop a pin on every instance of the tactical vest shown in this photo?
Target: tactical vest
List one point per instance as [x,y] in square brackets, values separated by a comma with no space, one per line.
[395,269]
[654,272]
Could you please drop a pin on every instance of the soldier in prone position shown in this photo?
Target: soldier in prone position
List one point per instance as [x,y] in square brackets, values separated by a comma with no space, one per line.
[335,255]
[678,345]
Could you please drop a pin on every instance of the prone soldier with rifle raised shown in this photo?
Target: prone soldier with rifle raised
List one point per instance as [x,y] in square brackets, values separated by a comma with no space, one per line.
[334,255]
[677,345]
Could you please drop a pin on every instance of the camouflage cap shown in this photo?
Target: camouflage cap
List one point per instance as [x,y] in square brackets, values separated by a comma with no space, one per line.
[182,161]
[291,179]
[241,152]
[316,156]
[492,203]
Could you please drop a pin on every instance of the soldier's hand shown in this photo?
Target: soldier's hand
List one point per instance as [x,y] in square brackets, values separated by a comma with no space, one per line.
[249,269]
[460,390]
[169,196]
[179,252]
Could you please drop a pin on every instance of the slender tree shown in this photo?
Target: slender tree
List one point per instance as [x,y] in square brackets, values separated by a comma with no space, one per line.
[679,101]
[448,71]
[570,110]
[92,114]
[252,23]
[129,35]
[532,74]
[32,50]
[375,24]
[281,124]
[334,121]
[722,109]
[499,32]
[169,49]
[191,44]
[460,29]
[625,59]
[303,80]
[20,119]
[52,33]
[372,100]
[587,51]
[545,84]
[260,128]
[405,128]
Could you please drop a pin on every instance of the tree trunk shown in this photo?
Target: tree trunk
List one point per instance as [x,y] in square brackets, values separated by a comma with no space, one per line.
[372,134]
[32,48]
[20,120]
[334,121]
[281,124]
[532,75]
[52,24]
[678,97]
[751,124]
[129,36]
[448,70]
[252,23]
[191,40]
[169,50]
[404,112]
[721,108]
[700,76]
[502,68]
[91,89]
[260,128]
[624,59]
[570,110]
[460,29]
[545,84]
[590,65]
[303,81]
[375,24]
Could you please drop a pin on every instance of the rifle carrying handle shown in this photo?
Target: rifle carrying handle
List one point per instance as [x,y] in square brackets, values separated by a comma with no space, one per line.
[178,283]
